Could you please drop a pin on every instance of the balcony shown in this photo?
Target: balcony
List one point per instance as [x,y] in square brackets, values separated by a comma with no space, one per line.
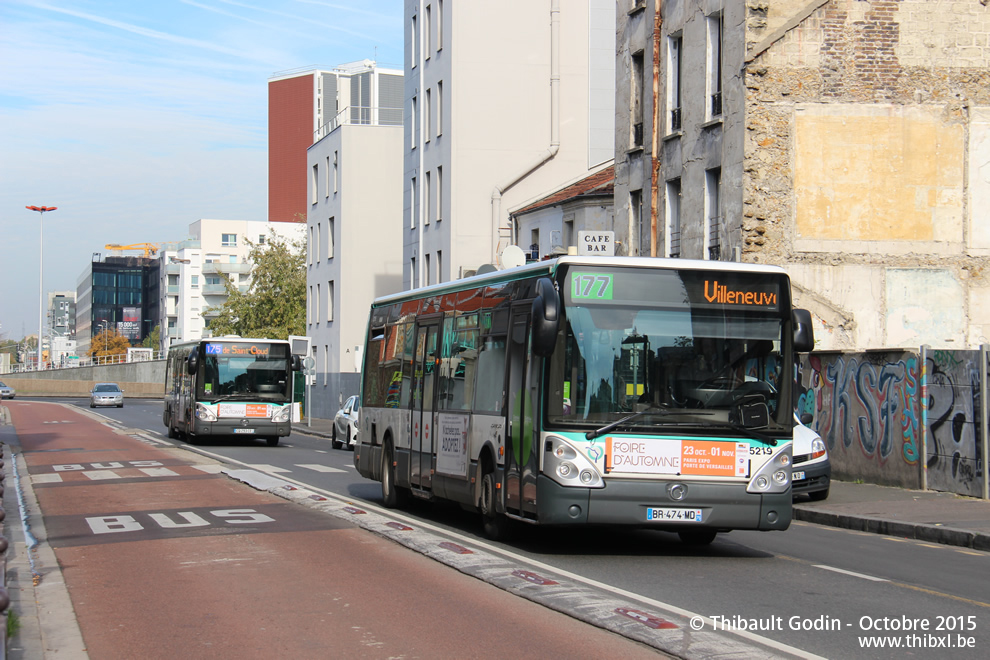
[675,244]
[362,115]
[216,267]
[214,290]
[714,245]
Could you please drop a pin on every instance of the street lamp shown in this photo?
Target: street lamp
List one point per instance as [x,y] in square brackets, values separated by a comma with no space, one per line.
[41,274]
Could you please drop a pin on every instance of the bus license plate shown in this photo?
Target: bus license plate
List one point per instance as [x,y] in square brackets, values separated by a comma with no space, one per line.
[243,430]
[797,476]
[674,515]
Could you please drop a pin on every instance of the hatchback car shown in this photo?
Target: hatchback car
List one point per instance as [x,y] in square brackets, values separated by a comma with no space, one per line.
[6,392]
[345,424]
[106,394]
[811,473]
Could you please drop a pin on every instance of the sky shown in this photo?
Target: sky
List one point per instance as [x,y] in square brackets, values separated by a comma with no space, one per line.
[137,118]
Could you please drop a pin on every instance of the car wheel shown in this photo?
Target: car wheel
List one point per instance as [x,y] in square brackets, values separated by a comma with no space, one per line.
[818,495]
[92,405]
[120,405]
[334,442]
[697,537]
[347,440]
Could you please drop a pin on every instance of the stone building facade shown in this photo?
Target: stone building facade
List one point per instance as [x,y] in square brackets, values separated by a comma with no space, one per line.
[852,148]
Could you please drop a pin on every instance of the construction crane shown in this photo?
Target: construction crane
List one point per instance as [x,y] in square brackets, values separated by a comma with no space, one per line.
[150,249]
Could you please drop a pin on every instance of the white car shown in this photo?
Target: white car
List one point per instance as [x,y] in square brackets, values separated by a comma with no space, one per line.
[811,473]
[6,392]
[345,424]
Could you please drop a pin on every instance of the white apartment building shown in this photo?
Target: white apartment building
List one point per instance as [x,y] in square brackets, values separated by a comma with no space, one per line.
[503,103]
[354,244]
[192,271]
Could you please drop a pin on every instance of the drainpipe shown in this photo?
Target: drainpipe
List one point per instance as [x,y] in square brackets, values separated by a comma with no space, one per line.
[654,139]
[554,147]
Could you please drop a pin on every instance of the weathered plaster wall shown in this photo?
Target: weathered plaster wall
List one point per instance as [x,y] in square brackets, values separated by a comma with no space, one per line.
[867,148]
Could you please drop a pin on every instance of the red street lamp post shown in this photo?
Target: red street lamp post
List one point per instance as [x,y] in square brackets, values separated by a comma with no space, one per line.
[41,276]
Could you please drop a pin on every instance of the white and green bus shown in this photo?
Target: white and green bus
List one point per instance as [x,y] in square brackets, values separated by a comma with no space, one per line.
[614,391]
[229,386]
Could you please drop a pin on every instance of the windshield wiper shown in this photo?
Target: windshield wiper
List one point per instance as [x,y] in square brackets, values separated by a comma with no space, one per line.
[234,397]
[752,433]
[591,435]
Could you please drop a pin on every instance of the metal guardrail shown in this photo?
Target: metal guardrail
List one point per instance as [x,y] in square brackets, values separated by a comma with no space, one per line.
[86,362]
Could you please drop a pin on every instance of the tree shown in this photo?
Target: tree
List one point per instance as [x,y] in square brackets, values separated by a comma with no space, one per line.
[154,339]
[108,342]
[274,306]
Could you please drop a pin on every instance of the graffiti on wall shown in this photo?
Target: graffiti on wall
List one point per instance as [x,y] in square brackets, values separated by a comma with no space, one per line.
[954,452]
[868,409]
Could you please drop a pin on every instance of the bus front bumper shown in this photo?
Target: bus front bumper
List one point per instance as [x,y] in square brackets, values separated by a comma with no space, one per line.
[630,502]
[261,428]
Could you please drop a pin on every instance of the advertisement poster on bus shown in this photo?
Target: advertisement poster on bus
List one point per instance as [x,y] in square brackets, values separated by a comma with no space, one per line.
[452,454]
[687,456]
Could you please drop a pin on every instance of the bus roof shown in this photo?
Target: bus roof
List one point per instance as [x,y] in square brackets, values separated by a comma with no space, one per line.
[550,266]
[230,339]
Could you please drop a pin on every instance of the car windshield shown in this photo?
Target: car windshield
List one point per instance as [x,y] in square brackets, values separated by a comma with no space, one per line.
[667,353]
[107,388]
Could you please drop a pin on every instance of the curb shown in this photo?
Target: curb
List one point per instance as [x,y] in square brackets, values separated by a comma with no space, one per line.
[918,531]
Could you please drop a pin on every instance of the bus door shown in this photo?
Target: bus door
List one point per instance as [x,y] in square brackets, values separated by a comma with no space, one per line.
[423,383]
[521,458]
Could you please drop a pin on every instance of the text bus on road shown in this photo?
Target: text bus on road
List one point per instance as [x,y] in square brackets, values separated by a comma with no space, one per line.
[229,386]
[629,391]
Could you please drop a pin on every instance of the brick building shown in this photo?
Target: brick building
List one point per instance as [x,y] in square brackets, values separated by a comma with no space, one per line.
[846,140]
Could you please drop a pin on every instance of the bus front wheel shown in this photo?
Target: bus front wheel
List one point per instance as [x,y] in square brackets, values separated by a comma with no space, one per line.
[496,524]
[272,441]
[393,496]
[697,537]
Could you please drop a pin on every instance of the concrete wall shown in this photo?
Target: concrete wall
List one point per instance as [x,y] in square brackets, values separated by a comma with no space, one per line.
[869,408]
[136,379]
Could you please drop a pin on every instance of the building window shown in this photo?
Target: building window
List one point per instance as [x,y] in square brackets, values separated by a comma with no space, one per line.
[326,363]
[714,66]
[713,212]
[636,101]
[674,81]
[413,274]
[427,111]
[309,245]
[318,231]
[316,308]
[314,198]
[414,203]
[414,42]
[428,199]
[439,266]
[309,307]
[636,220]
[228,240]
[439,108]
[426,268]
[327,183]
[330,224]
[335,180]
[194,281]
[674,217]
[439,193]
[330,300]
[427,41]
[415,126]
[439,25]
[261,239]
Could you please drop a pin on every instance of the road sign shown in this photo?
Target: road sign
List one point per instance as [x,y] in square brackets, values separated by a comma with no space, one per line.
[309,363]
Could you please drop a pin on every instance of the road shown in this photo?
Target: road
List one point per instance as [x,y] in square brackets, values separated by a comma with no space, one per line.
[811,590]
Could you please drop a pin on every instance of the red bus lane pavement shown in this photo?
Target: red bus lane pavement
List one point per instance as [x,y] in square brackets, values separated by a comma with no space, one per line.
[165,557]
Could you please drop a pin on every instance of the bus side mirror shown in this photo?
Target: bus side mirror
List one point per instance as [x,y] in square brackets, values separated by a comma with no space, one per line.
[192,362]
[804,333]
[546,317]
[296,363]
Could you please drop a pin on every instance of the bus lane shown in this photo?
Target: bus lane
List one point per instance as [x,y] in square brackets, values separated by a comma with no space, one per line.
[165,556]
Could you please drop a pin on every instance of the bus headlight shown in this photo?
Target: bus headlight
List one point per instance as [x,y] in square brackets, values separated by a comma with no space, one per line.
[567,466]
[775,475]
[281,414]
[205,414]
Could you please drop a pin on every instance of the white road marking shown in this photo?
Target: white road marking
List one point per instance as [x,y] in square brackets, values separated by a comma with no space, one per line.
[46,478]
[210,468]
[852,573]
[319,468]
[159,472]
[97,475]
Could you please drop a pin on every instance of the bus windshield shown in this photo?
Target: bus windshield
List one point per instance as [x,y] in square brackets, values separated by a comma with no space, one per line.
[687,346]
[240,370]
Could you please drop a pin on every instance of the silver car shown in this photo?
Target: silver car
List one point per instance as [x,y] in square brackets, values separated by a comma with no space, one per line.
[344,432]
[6,391]
[106,394]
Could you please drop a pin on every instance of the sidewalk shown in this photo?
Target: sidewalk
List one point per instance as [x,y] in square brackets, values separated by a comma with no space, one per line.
[924,515]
